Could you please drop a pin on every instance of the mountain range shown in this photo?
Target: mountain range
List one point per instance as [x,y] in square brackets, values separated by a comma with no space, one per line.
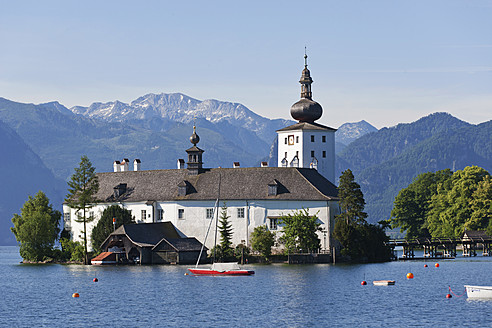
[156,127]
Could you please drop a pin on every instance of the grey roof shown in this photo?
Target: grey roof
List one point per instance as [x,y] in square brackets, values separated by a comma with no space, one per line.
[307,126]
[236,184]
[476,234]
[183,244]
[147,234]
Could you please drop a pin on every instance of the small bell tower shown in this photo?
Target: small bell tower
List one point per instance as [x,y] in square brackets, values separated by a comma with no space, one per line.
[195,164]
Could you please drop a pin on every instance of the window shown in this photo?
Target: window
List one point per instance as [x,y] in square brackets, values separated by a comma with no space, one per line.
[161,214]
[294,162]
[240,213]
[323,138]
[291,139]
[312,138]
[297,139]
[66,216]
[210,213]
[273,224]
[284,162]
[143,215]
[312,153]
[181,213]
[285,140]
[324,153]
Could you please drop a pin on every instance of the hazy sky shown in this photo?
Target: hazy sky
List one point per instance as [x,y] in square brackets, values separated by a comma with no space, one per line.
[381,61]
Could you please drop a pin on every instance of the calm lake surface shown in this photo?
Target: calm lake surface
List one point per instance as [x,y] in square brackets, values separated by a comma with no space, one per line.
[276,296]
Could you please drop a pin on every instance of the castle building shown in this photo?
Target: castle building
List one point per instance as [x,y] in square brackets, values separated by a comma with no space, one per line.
[254,196]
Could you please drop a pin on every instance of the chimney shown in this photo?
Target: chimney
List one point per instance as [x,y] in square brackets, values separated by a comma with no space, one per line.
[136,164]
[264,164]
[236,165]
[116,166]
[181,164]
[124,164]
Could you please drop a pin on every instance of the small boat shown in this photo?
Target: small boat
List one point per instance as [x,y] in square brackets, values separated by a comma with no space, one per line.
[226,269]
[479,291]
[383,282]
[217,269]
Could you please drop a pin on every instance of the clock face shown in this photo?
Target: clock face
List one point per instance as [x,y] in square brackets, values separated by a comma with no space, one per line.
[291,140]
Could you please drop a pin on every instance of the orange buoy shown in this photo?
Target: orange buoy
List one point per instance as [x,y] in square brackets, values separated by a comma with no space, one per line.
[409,275]
[425,265]
[95,280]
[449,296]
[437,265]
[363,283]
[75,295]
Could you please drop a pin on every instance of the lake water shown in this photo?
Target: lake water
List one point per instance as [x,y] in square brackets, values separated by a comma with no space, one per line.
[276,296]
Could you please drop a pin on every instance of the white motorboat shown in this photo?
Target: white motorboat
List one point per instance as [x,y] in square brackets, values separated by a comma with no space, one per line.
[479,291]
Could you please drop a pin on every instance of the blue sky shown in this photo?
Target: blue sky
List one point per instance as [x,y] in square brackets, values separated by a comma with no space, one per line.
[382,61]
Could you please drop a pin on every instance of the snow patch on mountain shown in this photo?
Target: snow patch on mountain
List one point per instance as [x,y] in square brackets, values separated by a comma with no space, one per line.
[181,108]
[349,132]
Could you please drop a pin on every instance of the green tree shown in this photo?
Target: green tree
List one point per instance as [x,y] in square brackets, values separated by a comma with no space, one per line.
[83,187]
[262,241]
[360,241]
[37,228]
[411,205]
[299,231]
[451,208]
[481,205]
[71,250]
[351,199]
[224,249]
[105,224]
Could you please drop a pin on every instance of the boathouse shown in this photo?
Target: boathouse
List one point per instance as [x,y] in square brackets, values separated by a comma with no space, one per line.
[152,243]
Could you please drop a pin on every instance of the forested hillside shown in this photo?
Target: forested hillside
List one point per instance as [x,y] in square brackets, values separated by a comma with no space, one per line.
[388,160]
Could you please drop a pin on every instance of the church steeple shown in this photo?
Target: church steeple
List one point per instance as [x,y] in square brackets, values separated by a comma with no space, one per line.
[194,163]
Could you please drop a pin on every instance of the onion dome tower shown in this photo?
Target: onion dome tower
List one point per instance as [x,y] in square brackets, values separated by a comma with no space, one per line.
[195,164]
[307,144]
[306,110]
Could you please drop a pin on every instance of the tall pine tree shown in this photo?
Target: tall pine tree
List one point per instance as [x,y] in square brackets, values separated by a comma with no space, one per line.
[225,250]
[82,189]
[351,199]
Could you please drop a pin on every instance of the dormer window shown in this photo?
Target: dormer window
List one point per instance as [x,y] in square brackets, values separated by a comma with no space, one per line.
[182,188]
[294,162]
[119,190]
[273,188]
[314,163]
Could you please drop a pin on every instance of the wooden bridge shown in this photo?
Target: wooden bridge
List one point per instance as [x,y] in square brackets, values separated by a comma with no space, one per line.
[444,247]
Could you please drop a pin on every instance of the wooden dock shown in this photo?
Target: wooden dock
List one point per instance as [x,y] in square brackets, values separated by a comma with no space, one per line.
[443,248]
